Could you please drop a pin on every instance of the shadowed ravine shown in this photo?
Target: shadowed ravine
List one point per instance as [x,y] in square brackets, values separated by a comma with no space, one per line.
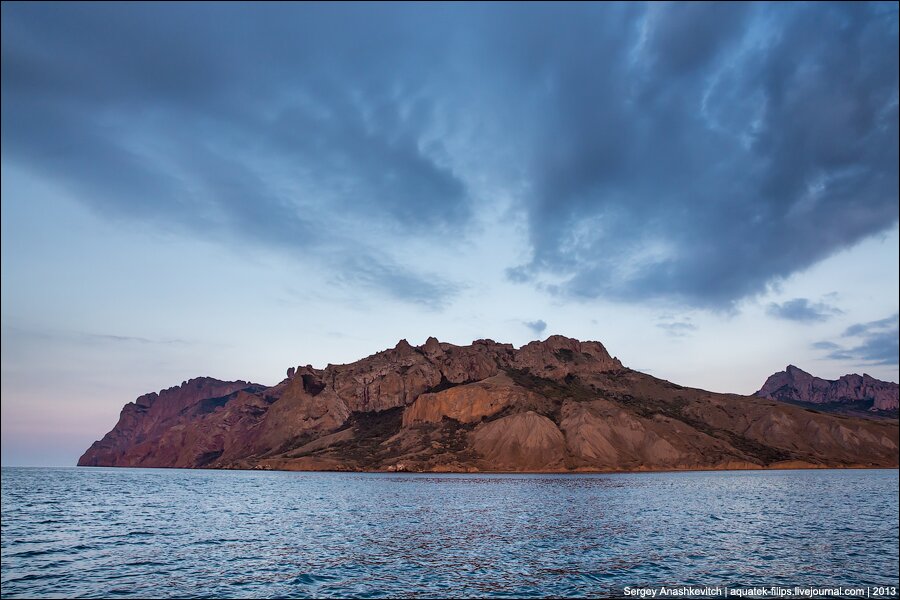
[555,406]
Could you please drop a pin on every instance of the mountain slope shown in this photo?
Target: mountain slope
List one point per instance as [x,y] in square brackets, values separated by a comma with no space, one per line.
[556,405]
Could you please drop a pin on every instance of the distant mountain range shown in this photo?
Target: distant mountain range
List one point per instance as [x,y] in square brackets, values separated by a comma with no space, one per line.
[851,394]
[557,405]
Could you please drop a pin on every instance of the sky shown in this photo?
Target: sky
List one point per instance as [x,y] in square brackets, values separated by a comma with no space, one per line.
[230,189]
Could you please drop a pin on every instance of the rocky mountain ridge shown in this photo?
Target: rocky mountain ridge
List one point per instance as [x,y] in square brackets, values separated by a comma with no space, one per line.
[849,393]
[556,405]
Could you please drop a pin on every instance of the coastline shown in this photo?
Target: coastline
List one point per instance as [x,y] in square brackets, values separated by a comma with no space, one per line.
[776,467]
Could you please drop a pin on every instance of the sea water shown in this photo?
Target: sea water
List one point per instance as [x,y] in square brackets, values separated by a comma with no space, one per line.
[98,532]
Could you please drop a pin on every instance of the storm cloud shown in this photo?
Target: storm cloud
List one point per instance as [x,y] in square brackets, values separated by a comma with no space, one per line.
[538,327]
[691,154]
[802,310]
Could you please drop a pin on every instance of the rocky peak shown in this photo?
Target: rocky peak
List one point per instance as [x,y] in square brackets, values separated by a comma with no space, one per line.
[403,347]
[396,377]
[796,385]
[155,412]
[147,400]
[559,356]
[432,347]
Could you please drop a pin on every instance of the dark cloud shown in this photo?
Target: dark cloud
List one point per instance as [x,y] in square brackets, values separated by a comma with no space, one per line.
[872,326]
[874,343]
[537,327]
[685,152]
[676,328]
[703,176]
[802,310]
[429,291]
[687,36]
[277,126]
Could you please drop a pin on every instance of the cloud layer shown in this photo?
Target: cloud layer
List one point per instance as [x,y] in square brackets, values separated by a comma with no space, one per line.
[872,343]
[802,310]
[538,326]
[693,154]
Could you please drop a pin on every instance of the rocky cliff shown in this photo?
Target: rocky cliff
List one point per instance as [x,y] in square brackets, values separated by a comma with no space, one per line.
[849,394]
[134,439]
[556,405]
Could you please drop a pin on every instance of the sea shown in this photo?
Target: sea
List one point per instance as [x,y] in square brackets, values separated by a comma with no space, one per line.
[149,533]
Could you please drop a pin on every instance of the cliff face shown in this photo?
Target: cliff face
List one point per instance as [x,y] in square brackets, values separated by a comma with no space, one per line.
[845,394]
[557,405]
[142,422]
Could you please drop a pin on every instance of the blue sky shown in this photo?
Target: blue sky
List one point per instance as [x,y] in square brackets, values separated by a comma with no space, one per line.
[232,189]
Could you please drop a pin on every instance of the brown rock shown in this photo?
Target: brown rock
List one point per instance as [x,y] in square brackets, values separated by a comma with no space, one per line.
[151,415]
[796,385]
[559,356]
[521,442]
[606,436]
[560,404]
[466,403]
[432,347]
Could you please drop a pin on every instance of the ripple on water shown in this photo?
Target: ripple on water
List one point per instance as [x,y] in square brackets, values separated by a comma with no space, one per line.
[137,532]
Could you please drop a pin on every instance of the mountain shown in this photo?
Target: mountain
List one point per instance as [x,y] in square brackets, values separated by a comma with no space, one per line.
[851,394]
[556,405]
[145,421]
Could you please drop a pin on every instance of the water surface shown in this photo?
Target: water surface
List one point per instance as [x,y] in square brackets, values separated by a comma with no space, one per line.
[172,533]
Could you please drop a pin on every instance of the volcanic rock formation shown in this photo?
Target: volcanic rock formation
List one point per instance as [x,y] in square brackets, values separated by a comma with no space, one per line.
[556,405]
[849,394]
